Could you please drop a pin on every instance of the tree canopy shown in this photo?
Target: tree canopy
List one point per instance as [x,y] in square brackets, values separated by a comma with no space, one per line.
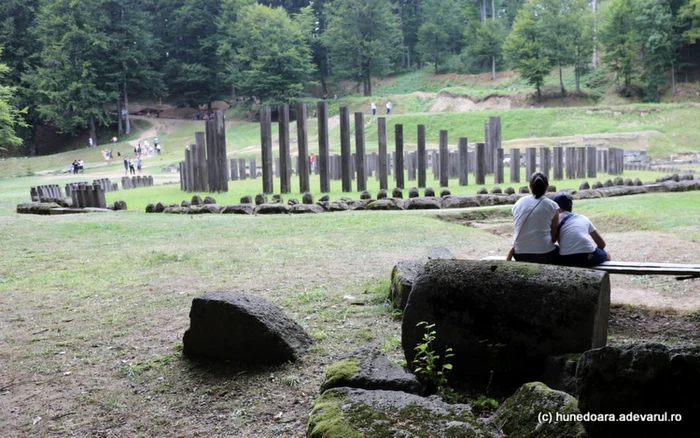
[69,62]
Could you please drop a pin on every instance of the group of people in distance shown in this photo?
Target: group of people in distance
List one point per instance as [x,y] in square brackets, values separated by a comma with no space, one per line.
[389,107]
[76,166]
[540,223]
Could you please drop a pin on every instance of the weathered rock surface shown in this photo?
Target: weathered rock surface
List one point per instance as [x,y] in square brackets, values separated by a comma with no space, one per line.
[306,208]
[386,204]
[272,209]
[460,201]
[560,373]
[350,412]
[640,379]
[405,273]
[238,209]
[245,328]
[431,203]
[368,368]
[506,317]
[521,414]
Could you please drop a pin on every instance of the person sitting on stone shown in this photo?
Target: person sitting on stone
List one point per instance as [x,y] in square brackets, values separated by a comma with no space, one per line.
[579,241]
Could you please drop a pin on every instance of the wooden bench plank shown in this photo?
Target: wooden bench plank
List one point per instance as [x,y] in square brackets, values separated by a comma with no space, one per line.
[639,268]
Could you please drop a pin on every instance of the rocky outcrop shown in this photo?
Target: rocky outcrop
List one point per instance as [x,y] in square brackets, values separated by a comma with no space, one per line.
[405,273]
[229,325]
[506,317]
[369,368]
[640,379]
[352,412]
[247,208]
[536,411]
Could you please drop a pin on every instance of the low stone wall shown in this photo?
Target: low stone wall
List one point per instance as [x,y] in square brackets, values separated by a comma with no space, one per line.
[447,201]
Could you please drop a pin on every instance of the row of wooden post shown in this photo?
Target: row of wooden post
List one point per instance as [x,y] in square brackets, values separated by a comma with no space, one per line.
[206,167]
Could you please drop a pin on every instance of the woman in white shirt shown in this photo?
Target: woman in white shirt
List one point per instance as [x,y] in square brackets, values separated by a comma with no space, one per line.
[535,220]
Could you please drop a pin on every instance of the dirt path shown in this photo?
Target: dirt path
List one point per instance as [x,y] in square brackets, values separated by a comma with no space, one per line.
[158,127]
[654,291]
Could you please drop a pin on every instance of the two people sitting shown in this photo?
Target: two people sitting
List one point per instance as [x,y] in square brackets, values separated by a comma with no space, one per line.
[539,222]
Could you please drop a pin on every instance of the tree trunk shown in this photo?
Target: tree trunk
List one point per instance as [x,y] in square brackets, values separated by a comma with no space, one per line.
[436,65]
[493,68]
[93,133]
[120,126]
[483,10]
[577,74]
[493,9]
[233,93]
[127,127]
[673,77]
[408,56]
[561,81]
[368,91]
[595,32]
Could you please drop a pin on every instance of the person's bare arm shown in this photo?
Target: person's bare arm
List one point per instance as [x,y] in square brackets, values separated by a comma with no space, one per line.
[598,240]
[555,226]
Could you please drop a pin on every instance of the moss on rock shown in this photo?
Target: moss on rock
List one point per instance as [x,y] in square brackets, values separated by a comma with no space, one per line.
[526,413]
[326,418]
[342,370]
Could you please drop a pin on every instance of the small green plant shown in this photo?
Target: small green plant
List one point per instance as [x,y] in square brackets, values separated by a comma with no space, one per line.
[428,364]
[484,405]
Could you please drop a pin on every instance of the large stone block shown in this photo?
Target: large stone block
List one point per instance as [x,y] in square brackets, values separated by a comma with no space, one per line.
[405,273]
[369,368]
[350,412]
[506,317]
[640,379]
[526,414]
[245,328]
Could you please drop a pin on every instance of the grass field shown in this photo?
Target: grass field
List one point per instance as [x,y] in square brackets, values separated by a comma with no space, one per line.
[93,307]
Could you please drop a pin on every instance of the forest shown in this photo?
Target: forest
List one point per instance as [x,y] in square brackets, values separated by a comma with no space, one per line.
[67,64]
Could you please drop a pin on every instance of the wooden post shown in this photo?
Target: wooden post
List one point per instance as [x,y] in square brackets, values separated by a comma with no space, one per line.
[444,159]
[323,146]
[498,166]
[399,167]
[284,159]
[421,156]
[383,178]
[480,164]
[544,161]
[558,163]
[345,154]
[266,144]
[360,151]
[591,161]
[241,168]
[515,165]
[303,145]
[233,167]
[463,144]
[570,163]
[530,162]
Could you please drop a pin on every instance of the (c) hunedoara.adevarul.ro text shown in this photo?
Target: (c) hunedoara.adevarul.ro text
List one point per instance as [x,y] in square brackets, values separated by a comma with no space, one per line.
[557,417]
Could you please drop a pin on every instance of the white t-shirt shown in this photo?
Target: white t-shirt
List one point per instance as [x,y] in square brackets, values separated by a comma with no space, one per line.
[575,235]
[536,236]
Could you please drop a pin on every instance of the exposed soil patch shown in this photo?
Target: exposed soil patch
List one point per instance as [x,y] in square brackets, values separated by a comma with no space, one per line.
[640,323]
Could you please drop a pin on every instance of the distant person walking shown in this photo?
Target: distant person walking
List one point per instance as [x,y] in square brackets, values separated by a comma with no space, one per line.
[114,141]
[90,142]
[374,109]
[138,164]
[389,107]
[126,165]
[132,171]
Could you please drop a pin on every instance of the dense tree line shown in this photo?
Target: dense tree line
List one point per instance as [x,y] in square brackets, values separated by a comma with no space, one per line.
[66,63]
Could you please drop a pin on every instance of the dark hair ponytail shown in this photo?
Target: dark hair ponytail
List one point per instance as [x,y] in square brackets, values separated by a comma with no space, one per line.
[538,184]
